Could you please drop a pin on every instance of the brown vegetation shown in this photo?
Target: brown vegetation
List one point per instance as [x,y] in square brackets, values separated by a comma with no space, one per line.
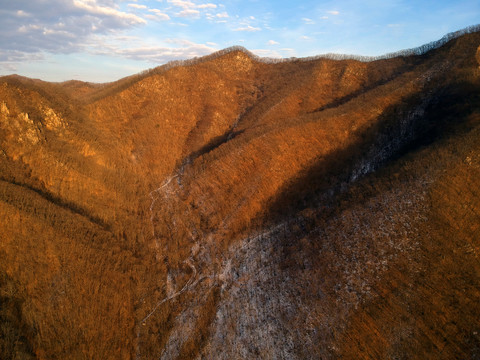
[229,207]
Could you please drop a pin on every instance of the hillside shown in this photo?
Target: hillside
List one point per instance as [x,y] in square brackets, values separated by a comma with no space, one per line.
[231,207]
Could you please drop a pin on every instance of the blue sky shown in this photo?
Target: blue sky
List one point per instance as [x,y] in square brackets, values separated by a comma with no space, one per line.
[104,40]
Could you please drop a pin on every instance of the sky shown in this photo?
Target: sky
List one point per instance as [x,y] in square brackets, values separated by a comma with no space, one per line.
[105,40]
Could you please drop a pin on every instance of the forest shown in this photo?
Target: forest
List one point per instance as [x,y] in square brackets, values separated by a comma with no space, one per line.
[233,207]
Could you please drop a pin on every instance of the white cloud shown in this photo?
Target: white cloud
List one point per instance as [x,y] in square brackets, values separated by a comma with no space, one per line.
[91,7]
[273,42]
[126,38]
[22,13]
[308,21]
[11,57]
[188,13]
[27,39]
[159,15]
[206,6]
[9,67]
[50,32]
[181,3]
[137,6]
[333,12]
[217,17]
[157,54]
[191,9]
[248,28]
[26,28]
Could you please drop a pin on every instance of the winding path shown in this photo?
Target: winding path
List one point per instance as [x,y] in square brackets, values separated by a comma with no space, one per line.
[189,262]
[154,200]
[155,195]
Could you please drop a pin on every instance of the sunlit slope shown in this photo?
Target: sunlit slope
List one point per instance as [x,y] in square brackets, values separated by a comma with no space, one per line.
[165,117]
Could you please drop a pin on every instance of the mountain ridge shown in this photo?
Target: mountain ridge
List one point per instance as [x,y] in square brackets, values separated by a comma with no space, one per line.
[419,50]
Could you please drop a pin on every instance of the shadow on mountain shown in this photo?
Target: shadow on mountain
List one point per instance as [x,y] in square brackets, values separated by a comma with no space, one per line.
[213,144]
[345,99]
[398,132]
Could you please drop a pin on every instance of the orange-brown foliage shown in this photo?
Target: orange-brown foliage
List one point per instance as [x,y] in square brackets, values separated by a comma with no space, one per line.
[120,205]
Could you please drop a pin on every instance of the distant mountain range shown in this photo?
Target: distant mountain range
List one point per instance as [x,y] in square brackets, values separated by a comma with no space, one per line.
[230,207]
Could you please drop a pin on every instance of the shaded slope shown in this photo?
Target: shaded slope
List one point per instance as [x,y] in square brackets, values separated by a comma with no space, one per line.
[389,271]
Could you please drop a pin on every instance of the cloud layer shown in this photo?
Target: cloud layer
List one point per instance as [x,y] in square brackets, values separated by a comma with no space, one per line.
[178,49]
[140,32]
[30,28]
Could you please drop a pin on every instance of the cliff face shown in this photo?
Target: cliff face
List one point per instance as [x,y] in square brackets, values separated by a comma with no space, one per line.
[232,208]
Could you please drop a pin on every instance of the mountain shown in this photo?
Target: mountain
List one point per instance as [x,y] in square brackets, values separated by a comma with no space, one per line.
[231,207]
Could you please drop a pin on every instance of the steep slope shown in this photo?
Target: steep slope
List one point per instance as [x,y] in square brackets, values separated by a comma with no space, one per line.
[235,208]
[233,184]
